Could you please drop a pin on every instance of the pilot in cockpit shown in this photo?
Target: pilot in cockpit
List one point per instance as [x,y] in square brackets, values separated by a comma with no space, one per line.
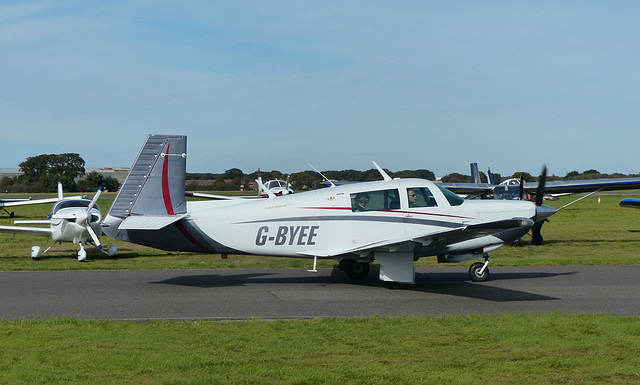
[360,202]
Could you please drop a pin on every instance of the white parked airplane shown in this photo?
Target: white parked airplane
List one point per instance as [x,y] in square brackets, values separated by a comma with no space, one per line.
[74,220]
[275,186]
[394,222]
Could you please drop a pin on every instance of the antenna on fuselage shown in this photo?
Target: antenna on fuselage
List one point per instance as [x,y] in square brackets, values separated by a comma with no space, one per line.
[385,176]
[325,178]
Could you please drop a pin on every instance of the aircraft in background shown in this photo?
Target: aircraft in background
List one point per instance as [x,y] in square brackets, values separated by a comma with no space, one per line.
[270,189]
[276,186]
[393,221]
[630,203]
[74,220]
[517,189]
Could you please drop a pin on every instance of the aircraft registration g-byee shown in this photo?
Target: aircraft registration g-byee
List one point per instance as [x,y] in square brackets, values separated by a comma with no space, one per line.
[394,222]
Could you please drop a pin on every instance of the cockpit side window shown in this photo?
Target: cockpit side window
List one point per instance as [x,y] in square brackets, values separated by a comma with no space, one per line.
[378,200]
[421,197]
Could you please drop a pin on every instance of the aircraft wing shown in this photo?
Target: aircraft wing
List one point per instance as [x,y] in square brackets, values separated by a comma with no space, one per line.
[22,202]
[41,231]
[474,231]
[468,188]
[442,239]
[27,202]
[222,197]
[588,185]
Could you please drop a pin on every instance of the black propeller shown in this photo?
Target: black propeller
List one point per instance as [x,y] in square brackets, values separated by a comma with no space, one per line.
[521,186]
[537,238]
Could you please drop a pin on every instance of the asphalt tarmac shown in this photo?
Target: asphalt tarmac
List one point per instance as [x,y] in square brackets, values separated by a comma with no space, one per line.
[296,293]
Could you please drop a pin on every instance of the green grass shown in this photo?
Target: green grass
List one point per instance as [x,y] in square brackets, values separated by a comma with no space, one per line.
[501,349]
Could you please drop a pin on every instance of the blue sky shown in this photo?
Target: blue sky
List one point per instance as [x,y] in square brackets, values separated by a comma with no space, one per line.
[277,85]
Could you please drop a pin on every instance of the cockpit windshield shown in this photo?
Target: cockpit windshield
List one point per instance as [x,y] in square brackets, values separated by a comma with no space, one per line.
[454,199]
[72,203]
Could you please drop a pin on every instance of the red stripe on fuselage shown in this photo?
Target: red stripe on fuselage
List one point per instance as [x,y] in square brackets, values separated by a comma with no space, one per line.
[166,194]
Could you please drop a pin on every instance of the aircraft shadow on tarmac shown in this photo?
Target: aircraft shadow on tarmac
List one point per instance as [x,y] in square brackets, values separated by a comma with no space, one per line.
[445,283]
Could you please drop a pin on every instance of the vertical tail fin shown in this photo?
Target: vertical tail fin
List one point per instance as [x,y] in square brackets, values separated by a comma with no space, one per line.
[475,174]
[156,183]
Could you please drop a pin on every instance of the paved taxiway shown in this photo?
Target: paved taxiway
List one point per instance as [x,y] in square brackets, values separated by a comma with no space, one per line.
[293,293]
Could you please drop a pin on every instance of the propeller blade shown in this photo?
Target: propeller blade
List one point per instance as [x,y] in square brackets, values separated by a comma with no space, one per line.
[95,198]
[541,183]
[521,186]
[94,237]
[60,192]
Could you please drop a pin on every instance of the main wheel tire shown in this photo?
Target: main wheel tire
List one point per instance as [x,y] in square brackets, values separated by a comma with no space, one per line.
[474,272]
[355,269]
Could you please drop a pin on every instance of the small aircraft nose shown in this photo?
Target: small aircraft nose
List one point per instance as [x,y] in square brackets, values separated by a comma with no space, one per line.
[543,212]
[82,218]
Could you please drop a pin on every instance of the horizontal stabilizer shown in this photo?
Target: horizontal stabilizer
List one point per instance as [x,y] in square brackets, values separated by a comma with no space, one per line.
[149,222]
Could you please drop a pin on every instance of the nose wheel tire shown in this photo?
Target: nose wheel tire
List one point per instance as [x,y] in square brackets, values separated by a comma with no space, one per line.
[478,272]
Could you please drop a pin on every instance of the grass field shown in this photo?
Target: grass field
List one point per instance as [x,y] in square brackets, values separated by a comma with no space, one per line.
[498,349]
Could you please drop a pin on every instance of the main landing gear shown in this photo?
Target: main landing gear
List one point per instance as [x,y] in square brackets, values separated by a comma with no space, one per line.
[354,269]
[479,271]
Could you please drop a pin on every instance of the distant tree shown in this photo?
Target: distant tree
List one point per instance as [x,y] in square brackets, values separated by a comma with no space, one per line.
[233,173]
[5,183]
[93,181]
[301,180]
[456,178]
[422,174]
[46,171]
[572,174]
[524,175]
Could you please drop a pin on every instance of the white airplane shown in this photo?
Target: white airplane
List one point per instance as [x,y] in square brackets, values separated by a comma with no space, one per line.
[74,220]
[275,186]
[394,222]
[270,189]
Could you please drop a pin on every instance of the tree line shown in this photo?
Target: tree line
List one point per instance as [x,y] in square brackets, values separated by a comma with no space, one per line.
[41,174]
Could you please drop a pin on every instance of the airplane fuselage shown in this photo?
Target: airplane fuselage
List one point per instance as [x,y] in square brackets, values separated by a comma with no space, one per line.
[327,223]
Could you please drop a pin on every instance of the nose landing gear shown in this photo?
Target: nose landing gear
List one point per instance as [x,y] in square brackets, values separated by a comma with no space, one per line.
[479,271]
